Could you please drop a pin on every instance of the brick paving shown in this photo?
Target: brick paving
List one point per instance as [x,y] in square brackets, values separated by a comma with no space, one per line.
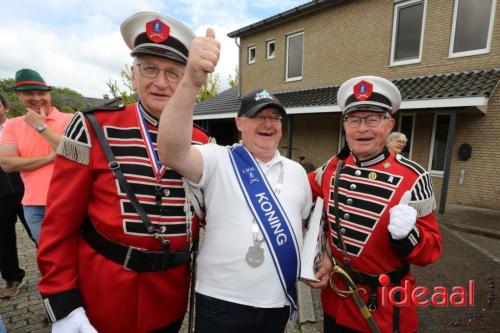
[465,256]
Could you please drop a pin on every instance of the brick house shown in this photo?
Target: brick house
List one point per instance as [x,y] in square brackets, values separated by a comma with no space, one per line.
[444,56]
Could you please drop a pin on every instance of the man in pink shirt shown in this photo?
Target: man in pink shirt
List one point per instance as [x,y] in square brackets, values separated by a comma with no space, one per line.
[29,142]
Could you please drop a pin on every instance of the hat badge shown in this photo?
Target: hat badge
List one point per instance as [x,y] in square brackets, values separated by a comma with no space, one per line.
[264,94]
[363,90]
[157,31]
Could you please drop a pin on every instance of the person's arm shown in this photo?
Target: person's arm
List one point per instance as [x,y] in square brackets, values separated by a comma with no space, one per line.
[67,201]
[176,121]
[34,119]
[10,161]
[413,227]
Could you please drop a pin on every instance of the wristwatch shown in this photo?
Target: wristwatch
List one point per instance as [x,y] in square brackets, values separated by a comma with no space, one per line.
[40,128]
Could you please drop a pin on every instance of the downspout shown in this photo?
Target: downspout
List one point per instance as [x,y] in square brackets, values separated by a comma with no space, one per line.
[447,161]
[239,66]
[290,129]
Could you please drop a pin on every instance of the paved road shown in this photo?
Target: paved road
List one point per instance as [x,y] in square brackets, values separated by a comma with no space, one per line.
[465,256]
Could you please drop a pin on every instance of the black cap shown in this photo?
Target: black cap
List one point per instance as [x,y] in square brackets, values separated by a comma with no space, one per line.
[254,102]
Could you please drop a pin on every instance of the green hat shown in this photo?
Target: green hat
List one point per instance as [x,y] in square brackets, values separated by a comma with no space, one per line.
[28,79]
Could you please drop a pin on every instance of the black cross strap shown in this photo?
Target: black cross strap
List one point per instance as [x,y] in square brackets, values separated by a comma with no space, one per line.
[115,168]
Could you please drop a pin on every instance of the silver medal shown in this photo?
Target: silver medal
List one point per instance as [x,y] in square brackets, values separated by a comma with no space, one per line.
[255,254]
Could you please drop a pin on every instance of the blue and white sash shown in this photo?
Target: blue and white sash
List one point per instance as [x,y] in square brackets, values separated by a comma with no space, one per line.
[271,219]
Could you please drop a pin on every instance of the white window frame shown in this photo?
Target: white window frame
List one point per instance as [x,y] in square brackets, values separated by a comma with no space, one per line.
[412,114]
[471,52]
[249,48]
[395,21]
[297,78]
[269,42]
[431,152]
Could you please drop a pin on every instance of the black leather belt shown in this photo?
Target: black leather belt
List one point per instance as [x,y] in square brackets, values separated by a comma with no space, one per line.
[372,279]
[133,258]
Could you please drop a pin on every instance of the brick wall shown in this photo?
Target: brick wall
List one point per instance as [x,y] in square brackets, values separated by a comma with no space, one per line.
[354,38]
[314,136]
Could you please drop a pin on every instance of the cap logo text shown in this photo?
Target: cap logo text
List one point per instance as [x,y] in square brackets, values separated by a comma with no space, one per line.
[263,95]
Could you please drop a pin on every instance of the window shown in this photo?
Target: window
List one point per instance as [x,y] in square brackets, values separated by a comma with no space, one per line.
[406,126]
[270,49]
[439,142]
[251,54]
[472,27]
[408,32]
[294,56]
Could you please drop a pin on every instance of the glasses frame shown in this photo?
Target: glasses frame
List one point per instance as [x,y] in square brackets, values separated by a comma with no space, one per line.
[380,117]
[273,119]
[170,75]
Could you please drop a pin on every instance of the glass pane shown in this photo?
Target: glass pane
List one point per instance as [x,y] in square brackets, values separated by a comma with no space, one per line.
[406,128]
[251,54]
[472,25]
[409,31]
[295,48]
[440,139]
[270,50]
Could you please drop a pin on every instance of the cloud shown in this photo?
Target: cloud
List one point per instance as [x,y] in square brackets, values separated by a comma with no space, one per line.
[77,44]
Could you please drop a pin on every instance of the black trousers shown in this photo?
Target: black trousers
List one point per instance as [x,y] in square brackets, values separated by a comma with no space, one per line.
[10,209]
[217,316]
[330,326]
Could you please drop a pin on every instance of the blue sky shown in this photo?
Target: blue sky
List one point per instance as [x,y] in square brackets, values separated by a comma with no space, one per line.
[77,44]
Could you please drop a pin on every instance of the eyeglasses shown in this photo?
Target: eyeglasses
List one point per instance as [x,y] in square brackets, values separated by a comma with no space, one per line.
[272,119]
[372,120]
[152,71]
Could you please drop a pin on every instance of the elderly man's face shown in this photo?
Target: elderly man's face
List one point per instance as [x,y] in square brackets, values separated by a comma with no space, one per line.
[261,134]
[36,100]
[397,145]
[154,93]
[369,137]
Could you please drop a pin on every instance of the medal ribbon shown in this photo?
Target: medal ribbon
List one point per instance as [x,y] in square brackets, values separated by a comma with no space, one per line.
[271,218]
[158,168]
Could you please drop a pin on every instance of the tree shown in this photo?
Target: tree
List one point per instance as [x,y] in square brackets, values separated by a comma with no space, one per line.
[209,89]
[65,99]
[126,94]
[234,81]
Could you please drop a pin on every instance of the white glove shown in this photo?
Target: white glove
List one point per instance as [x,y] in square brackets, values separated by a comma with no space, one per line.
[75,322]
[403,218]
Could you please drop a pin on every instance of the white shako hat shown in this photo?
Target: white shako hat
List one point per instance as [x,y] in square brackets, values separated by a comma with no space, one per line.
[368,93]
[157,34]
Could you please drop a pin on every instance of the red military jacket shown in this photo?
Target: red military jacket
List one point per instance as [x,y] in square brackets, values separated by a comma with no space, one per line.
[73,273]
[367,192]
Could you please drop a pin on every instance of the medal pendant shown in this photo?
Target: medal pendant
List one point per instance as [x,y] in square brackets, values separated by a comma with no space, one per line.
[255,255]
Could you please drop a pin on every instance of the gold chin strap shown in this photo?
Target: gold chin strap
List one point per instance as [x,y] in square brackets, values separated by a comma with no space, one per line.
[346,278]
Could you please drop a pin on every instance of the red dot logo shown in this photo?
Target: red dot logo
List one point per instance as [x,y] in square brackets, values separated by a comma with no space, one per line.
[384,280]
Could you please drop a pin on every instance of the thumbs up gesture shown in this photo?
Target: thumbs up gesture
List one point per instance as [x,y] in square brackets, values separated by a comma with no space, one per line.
[203,57]
[403,218]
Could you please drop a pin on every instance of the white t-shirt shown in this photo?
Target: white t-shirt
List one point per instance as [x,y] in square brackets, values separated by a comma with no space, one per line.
[223,272]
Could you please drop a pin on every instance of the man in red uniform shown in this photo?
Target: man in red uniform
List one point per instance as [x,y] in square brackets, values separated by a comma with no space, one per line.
[380,212]
[115,241]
